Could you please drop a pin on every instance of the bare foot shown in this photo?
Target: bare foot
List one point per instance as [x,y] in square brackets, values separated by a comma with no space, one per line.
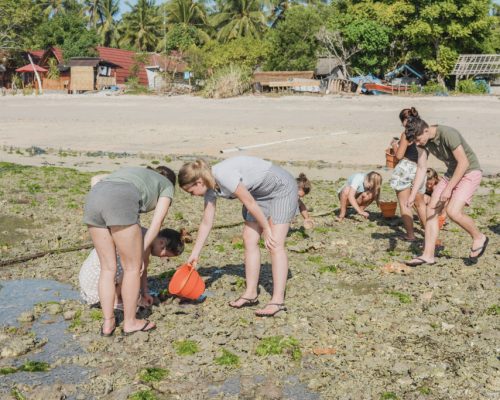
[244,301]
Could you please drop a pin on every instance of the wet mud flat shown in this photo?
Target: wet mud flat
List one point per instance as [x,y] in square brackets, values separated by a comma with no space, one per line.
[353,330]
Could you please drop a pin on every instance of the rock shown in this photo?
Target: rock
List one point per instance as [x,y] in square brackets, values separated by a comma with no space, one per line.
[426,297]
[400,368]
[396,268]
[69,315]
[447,327]
[26,316]
[54,309]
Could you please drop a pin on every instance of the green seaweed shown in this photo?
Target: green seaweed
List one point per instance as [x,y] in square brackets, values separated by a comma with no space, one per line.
[186,347]
[278,345]
[227,358]
[403,297]
[153,374]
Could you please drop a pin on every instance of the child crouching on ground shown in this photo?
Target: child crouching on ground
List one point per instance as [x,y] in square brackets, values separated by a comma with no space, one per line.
[304,186]
[168,243]
[359,191]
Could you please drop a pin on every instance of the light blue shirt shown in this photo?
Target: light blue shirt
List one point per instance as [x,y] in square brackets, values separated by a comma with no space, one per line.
[355,181]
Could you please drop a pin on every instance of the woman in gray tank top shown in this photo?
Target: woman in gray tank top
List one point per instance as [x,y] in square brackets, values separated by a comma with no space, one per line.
[270,201]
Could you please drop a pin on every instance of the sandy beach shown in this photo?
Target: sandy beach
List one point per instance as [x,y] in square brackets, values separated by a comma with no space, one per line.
[343,133]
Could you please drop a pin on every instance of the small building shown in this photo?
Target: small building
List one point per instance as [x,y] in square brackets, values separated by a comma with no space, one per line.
[405,75]
[128,63]
[49,59]
[281,80]
[28,74]
[172,65]
[332,75]
[91,73]
[485,66]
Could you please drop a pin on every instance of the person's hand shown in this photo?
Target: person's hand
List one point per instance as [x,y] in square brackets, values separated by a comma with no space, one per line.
[308,223]
[193,260]
[268,239]
[445,195]
[146,300]
[365,214]
[142,268]
[410,201]
[394,141]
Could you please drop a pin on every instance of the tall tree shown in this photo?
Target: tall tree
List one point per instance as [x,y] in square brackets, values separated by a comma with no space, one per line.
[70,32]
[141,27]
[238,18]
[107,27]
[293,42]
[18,21]
[92,8]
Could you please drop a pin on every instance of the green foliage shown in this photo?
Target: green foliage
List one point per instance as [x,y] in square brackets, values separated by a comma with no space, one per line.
[276,345]
[96,314]
[141,27]
[77,321]
[18,21]
[143,395]
[238,18]
[186,347]
[53,70]
[181,37]
[227,358]
[328,269]
[493,310]
[229,81]
[432,87]
[7,370]
[68,31]
[402,297]
[34,366]
[424,390]
[469,86]
[293,42]
[388,396]
[16,394]
[152,374]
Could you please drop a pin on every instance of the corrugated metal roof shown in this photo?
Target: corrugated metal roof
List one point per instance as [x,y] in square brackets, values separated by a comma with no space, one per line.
[125,59]
[90,62]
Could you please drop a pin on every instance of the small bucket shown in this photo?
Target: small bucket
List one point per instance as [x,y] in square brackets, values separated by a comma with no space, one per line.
[186,283]
[388,208]
[441,221]
[390,159]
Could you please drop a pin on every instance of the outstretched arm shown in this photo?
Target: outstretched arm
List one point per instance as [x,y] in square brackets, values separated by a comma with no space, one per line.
[351,196]
[203,232]
[419,176]
[462,165]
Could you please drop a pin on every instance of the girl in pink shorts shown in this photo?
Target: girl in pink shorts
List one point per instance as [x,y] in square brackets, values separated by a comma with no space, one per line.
[453,192]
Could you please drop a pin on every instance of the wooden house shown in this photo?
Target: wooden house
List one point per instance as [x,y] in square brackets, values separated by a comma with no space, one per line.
[91,73]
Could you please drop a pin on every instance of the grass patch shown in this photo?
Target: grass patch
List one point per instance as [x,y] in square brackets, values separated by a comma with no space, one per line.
[186,347]
[16,394]
[77,321]
[493,310]
[279,345]
[152,374]
[332,269]
[227,358]
[96,314]
[143,395]
[238,246]
[178,216]
[7,370]
[315,259]
[219,248]
[424,390]
[388,396]
[34,366]
[240,282]
[402,297]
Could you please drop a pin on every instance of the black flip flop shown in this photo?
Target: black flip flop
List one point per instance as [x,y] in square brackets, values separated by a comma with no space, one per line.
[420,261]
[107,334]
[247,303]
[143,329]
[482,248]
[280,307]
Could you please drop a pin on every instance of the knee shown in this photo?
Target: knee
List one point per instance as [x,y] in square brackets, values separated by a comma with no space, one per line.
[250,242]
[453,213]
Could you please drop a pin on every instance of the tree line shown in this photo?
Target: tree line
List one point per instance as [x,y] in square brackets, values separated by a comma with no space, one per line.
[368,36]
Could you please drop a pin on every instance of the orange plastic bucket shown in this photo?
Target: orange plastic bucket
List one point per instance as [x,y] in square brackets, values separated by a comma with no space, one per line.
[441,221]
[186,283]
[388,208]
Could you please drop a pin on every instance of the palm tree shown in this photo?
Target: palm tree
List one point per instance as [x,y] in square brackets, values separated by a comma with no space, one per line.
[238,18]
[189,13]
[141,26]
[108,27]
[52,7]
[92,8]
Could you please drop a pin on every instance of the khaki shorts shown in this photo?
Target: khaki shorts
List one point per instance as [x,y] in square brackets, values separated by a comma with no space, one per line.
[112,203]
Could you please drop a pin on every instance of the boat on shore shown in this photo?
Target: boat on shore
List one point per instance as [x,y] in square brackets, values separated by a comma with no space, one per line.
[380,88]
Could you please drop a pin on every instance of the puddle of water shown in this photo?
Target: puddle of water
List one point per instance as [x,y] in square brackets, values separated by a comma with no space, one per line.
[12,229]
[22,295]
[18,296]
[292,388]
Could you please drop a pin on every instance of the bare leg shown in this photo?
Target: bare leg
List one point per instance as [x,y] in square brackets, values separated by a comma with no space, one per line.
[251,236]
[128,240]
[364,200]
[431,230]
[343,198]
[455,212]
[279,259]
[421,209]
[406,213]
[105,247]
